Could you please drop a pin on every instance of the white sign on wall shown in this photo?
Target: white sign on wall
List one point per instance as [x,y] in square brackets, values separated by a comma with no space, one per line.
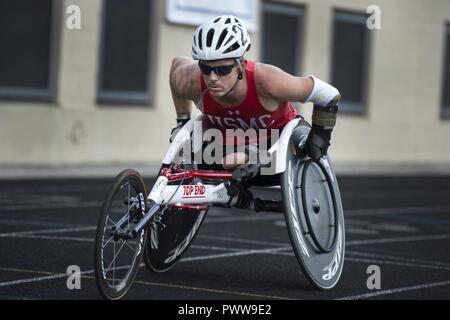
[196,12]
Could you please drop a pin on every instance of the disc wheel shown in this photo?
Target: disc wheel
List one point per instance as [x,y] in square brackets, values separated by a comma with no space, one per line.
[170,237]
[314,215]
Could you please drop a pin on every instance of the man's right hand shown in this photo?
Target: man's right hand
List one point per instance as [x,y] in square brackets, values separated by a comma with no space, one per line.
[180,124]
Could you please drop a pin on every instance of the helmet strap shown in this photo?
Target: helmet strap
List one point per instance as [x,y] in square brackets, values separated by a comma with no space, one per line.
[241,69]
[240,76]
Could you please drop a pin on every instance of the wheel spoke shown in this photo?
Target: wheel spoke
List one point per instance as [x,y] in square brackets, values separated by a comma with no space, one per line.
[108,241]
[128,219]
[115,256]
[129,246]
[115,224]
[114,261]
[111,220]
[128,211]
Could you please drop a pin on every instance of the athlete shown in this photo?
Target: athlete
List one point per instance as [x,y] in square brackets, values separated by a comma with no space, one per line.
[235,93]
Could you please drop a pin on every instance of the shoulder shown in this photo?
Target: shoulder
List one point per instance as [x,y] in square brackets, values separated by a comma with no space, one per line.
[266,77]
[265,89]
[274,83]
[185,78]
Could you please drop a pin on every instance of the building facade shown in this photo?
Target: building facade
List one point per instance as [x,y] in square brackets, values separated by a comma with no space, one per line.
[100,94]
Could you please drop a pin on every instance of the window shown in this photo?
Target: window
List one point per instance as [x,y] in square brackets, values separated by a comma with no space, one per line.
[126,52]
[281,36]
[446,84]
[28,36]
[350,60]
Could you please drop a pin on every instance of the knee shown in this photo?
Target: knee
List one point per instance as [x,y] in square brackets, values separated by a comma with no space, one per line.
[234,161]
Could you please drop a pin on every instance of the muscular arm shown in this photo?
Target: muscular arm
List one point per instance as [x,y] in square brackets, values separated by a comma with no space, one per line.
[277,85]
[184,84]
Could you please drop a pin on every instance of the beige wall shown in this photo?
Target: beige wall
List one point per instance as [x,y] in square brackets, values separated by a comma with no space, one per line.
[403,124]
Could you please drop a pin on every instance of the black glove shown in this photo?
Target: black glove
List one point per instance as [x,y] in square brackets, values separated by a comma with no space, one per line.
[180,124]
[318,142]
[323,122]
[247,173]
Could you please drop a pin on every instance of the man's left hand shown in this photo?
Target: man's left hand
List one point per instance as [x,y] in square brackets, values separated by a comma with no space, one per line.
[318,142]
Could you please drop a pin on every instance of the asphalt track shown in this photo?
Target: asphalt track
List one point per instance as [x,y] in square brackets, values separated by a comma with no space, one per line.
[401,224]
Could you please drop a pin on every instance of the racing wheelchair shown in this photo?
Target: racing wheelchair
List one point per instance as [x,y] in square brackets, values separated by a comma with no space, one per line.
[159,226]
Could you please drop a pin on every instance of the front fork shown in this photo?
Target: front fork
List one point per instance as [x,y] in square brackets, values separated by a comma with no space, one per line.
[119,231]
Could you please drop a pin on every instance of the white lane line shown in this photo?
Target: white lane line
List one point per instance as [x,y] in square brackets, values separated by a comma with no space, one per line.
[78,239]
[216,248]
[396,290]
[25,234]
[198,258]
[348,229]
[62,230]
[348,243]
[234,254]
[188,259]
[390,257]
[379,225]
[92,227]
[230,239]
[398,263]
[366,232]
[411,192]
[38,279]
[51,190]
[404,210]
[378,261]
[38,199]
[24,222]
[269,216]
[87,204]
[397,239]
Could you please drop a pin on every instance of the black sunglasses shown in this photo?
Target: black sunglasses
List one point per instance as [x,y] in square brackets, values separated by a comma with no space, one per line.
[219,70]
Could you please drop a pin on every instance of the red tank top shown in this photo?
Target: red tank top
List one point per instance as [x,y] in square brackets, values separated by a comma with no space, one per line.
[249,114]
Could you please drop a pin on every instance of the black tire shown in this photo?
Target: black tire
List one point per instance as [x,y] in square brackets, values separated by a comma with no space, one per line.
[169,240]
[166,245]
[314,215]
[127,185]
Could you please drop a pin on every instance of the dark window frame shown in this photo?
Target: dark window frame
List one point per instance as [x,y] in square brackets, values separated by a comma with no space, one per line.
[120,98]
[360,18]
[445,109]
[296,10]
[38,94]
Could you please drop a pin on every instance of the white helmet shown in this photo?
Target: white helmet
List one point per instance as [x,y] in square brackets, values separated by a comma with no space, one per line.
[225,37]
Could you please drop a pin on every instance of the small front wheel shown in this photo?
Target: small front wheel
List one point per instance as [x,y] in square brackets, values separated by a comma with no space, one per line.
[118,251]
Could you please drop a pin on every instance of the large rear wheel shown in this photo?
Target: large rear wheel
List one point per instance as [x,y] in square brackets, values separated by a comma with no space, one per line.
[314,215]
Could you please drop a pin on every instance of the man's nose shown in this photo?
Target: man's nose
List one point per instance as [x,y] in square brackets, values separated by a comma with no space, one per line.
[213,76]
